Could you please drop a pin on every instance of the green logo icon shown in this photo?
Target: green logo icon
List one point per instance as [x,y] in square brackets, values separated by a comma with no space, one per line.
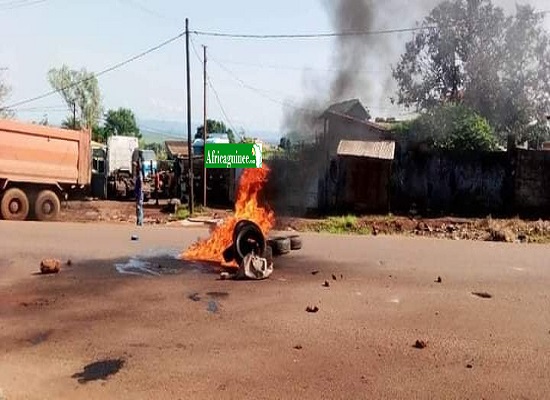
[233,155]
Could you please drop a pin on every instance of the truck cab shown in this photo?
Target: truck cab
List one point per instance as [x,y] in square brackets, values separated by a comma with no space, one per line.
[149,163]
[119,172]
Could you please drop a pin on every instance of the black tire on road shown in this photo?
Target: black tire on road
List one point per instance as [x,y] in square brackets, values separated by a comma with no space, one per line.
[280,245]
[14,205]
[249,238]
[295,242]
[47,206]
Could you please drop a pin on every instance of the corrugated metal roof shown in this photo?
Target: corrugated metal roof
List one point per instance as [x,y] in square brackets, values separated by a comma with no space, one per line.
[384,149]
[176,148]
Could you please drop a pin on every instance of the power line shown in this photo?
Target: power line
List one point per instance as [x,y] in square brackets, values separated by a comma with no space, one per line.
[103,72]
[323,34]
[19,4]
[210,84]
[150,11]
[265,93]
[35,111]
[44,108]
[310,35]
[296,68]
[222,109]
[195,51]
[261,92]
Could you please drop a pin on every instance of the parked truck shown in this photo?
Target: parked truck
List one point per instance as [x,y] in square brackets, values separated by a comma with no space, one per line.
[40,166]
[114,176]
[220,185]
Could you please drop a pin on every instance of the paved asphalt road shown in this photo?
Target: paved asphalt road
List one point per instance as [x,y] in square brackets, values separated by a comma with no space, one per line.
[177,332]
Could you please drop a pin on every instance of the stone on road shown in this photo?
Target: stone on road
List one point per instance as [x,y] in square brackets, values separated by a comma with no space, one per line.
[185,333]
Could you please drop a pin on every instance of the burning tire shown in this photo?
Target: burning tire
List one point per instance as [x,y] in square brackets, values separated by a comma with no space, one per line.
[280,245]
[14,205]
[248,238]
[240,225]
[47,206]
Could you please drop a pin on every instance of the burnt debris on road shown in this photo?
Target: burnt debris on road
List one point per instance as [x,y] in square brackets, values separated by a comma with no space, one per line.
[420,344]
[99,370]
[50,266]
[483,295]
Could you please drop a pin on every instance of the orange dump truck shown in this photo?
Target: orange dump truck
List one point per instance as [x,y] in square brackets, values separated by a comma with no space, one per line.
[40,166]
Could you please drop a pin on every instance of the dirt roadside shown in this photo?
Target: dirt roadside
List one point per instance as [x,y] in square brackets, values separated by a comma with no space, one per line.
[479,229]
[124,212]
[484,229]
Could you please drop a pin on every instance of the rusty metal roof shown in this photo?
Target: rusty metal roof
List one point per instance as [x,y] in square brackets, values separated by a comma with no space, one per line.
[176,148]
[383,149]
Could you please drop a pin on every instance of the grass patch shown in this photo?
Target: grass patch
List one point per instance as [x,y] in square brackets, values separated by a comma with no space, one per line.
[183,212]
[200,210]
[348,224]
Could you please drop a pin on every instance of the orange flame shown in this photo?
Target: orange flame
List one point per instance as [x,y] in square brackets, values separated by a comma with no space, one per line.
[246,207]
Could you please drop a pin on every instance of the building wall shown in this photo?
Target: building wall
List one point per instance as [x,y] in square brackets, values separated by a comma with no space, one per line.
[475,184]
[472,184]
[292,186]
[449,183]
[361,185]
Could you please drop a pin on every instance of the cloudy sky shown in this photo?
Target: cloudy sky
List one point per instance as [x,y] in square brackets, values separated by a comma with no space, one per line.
[254,79]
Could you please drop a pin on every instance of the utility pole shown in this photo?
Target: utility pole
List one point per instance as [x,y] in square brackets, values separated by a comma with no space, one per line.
[189,147]
[204,131]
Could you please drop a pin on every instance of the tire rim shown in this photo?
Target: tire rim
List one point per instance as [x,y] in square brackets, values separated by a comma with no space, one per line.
[15,206]
[249,238]
[47,207]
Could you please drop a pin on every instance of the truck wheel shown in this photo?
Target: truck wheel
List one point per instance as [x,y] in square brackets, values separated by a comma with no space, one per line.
[15,205]
[47,206]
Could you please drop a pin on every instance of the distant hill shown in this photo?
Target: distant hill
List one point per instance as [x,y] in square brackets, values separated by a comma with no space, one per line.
[157,131]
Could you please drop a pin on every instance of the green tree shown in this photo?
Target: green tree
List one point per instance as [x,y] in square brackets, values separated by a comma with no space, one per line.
[450,127]
[120,122]
[214,126]
[80,90]
[99,134]
[5,90]
[471,52]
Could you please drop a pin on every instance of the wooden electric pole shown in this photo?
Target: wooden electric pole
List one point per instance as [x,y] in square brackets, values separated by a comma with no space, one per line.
[204,131]
[189,147]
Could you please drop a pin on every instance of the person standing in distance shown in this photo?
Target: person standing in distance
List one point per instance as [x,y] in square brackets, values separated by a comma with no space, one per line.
[138,174]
